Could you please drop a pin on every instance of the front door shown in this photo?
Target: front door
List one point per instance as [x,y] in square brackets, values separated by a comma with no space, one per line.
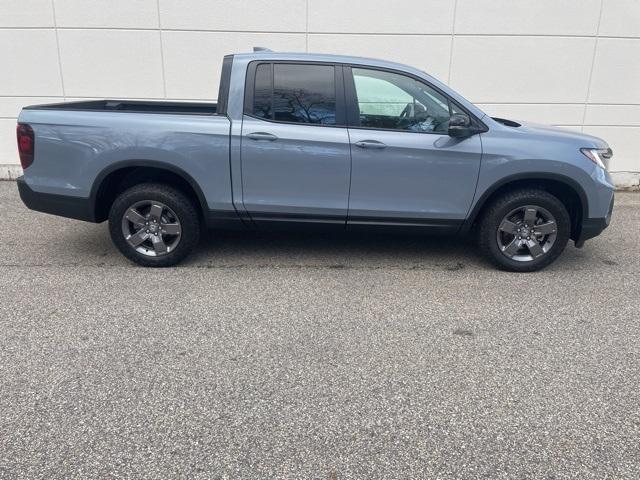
[406,169]
[295,145]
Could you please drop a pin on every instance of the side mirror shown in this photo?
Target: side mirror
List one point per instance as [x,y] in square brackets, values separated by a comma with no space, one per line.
[460,126]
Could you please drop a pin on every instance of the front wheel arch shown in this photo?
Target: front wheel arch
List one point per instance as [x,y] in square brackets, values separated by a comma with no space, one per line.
[569,192]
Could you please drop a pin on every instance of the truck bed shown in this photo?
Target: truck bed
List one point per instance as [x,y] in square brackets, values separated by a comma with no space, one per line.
[178,108]
[80,143]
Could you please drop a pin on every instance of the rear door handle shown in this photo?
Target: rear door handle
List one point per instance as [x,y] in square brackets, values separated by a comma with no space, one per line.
[371,144]
[262,136]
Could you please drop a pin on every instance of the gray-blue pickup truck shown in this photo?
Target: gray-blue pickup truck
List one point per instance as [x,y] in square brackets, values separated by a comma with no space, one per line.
[315,140]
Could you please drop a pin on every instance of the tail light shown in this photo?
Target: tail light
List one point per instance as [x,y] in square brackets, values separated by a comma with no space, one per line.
[26,144]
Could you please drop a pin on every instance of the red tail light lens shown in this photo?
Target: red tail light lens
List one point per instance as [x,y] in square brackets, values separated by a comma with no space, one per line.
[26,144]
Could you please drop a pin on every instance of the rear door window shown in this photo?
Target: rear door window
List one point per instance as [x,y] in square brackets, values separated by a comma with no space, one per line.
[295,93]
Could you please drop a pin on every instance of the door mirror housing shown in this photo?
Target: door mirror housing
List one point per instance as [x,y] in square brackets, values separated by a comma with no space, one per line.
[460,126]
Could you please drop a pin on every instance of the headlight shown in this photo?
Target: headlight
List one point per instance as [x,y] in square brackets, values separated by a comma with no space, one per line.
[599,156]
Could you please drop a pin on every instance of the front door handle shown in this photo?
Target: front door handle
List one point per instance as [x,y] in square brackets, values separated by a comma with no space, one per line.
[371,144]
[262,136]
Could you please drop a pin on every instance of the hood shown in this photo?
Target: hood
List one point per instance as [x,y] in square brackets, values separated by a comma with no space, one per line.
[554,133]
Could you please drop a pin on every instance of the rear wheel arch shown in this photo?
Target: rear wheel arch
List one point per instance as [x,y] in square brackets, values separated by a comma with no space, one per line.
[118,177]
[567,190]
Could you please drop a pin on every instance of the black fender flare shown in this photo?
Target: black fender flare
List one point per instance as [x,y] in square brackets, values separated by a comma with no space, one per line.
[98,181]
[568,181]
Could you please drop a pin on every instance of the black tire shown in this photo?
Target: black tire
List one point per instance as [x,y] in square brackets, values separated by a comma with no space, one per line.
[501,207]
[172,198]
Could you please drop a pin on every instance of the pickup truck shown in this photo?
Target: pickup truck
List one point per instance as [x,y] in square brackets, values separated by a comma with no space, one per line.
[313,140]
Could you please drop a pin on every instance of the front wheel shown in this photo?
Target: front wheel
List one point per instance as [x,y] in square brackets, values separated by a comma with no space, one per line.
[154,225]
[524,230]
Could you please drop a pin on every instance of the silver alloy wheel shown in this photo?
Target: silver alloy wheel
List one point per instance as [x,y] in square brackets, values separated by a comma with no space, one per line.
[527,233]
[151,228]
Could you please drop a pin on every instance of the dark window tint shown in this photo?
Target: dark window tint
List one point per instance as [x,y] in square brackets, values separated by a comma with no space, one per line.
[262,91]
[389,100]
[304,94]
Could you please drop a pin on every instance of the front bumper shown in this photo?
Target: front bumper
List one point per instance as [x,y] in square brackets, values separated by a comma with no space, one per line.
[592,227]
[62,205]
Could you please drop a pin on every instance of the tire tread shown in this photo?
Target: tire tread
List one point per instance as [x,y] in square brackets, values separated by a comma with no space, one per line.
[179,203]
[496,211]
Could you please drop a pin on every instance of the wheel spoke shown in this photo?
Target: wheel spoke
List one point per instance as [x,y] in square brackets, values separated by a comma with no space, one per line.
[521,239]
[508,227]
[151,228]
[511,249]
[534,248]
[545,228]
[158,244]
[156,212]
[171,228]
[137,238]
[530,215]
[134,217]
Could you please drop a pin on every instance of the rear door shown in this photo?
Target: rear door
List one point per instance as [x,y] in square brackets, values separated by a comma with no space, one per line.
[295,145]
[406,170]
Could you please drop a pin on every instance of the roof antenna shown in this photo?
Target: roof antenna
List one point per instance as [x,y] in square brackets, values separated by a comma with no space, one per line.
[262,49]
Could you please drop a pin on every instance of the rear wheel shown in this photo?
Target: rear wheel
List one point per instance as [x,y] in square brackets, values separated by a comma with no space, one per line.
[524,230]
[154,225]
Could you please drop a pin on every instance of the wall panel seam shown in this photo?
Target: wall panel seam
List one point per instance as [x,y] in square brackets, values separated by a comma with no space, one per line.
[55,29]
[453,38]
[302,32]
[593,61]
[306,28]
[164,75]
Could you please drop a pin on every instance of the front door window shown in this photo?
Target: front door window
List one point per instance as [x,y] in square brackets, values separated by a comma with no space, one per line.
[391,101]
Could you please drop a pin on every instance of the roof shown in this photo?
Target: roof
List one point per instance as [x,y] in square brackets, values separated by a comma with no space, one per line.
[324,57]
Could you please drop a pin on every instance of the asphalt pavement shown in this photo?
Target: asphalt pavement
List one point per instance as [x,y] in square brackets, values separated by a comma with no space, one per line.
[315,356]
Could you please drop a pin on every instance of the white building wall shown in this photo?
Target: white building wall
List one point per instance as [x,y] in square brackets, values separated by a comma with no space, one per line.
[572,63]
